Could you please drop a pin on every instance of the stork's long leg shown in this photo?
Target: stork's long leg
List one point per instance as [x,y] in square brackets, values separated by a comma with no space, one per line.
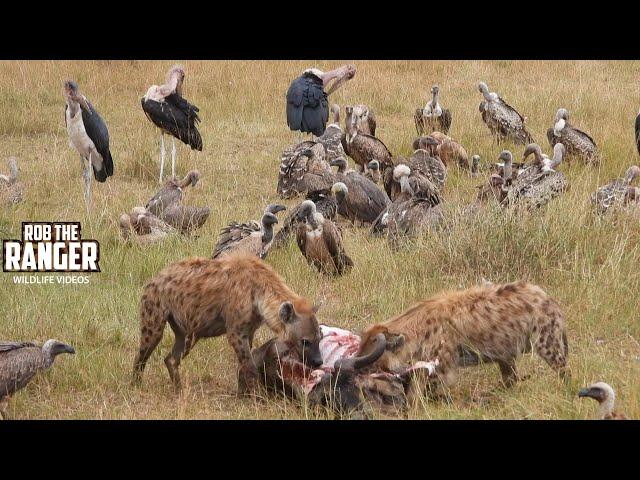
[173,158]
[161,155]
[87,183]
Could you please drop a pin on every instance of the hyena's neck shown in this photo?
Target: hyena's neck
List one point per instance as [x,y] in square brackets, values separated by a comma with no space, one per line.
[268,305]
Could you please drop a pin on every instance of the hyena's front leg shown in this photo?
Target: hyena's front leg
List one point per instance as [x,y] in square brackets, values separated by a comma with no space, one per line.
[247,372]
[508,371]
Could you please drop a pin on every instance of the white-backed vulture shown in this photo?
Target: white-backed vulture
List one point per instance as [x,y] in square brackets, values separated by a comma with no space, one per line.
[409,214]
[539,182]
[331,139]
[250,237]
[360,199]
[475,165]
[320,241]
[606,398]
[325,204]
[363,119]
[502,119]
[577,143]
[614,193]
[185,218]
[362,147]
[373,171]
[304,168]
[428,173]
[143,227]
[11,190]
[432,116]
[171,193]
[447,150]
[21,361]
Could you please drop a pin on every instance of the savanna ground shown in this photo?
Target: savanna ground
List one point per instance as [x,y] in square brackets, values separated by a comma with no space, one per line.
[589,264]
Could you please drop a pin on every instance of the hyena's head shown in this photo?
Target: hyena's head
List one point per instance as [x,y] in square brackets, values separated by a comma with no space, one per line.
[395,355]
[301,330]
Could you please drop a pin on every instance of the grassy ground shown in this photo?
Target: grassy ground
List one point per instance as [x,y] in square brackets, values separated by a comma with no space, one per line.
[589,264]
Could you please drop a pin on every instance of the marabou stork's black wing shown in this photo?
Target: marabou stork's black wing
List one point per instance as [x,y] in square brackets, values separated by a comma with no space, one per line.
[307,105]
[97,131]
[177,117]
[638,132]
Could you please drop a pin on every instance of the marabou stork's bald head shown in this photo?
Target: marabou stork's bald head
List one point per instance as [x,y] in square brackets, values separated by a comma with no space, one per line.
[340,75]
[176,72]
[72,93]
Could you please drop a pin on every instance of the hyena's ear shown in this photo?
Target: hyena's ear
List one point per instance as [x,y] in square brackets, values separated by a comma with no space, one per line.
[394,341]
[287,313]
[315,309]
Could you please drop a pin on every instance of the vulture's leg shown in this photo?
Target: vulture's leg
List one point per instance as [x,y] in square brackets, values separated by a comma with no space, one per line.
[173,158]
[161,155]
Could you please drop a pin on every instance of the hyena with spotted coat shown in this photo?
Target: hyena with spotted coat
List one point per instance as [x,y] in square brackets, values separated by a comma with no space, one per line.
[201,298]
[491,323]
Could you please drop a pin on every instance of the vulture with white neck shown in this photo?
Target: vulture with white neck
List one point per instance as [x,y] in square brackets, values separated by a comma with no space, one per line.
[539,182]
[171,193]
[325,204]
[503,121]
[362,147]
[615,193]
[364,119]
[250,237]
[357,197]
[307,102]
[21,361]
[304,168]
[602,393]
[428,173]
[432,117]
[320,241]
[410,213]
[143,227]
[577,143]
[11,190]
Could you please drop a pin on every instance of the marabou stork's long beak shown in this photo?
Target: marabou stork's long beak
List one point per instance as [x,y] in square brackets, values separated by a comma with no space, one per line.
[341,76]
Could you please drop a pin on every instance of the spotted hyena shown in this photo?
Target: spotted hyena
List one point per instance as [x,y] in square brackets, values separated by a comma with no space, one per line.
[202,298]
[489,323]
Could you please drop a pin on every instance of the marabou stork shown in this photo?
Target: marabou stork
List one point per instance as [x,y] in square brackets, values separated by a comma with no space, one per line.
[173,115]
[307,104]
[88,134]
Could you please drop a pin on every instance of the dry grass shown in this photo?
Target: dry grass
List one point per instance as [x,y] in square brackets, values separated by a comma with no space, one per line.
[589,264]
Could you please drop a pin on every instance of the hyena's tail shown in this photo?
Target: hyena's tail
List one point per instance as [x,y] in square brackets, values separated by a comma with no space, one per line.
[152,323]
[553,345]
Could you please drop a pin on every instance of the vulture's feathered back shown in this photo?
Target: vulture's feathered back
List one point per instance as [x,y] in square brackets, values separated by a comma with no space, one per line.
[20,361]
[502,119]
[577,143]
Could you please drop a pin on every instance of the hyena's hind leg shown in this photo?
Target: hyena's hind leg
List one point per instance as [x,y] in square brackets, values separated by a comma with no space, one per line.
[181,348]
[152,323]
